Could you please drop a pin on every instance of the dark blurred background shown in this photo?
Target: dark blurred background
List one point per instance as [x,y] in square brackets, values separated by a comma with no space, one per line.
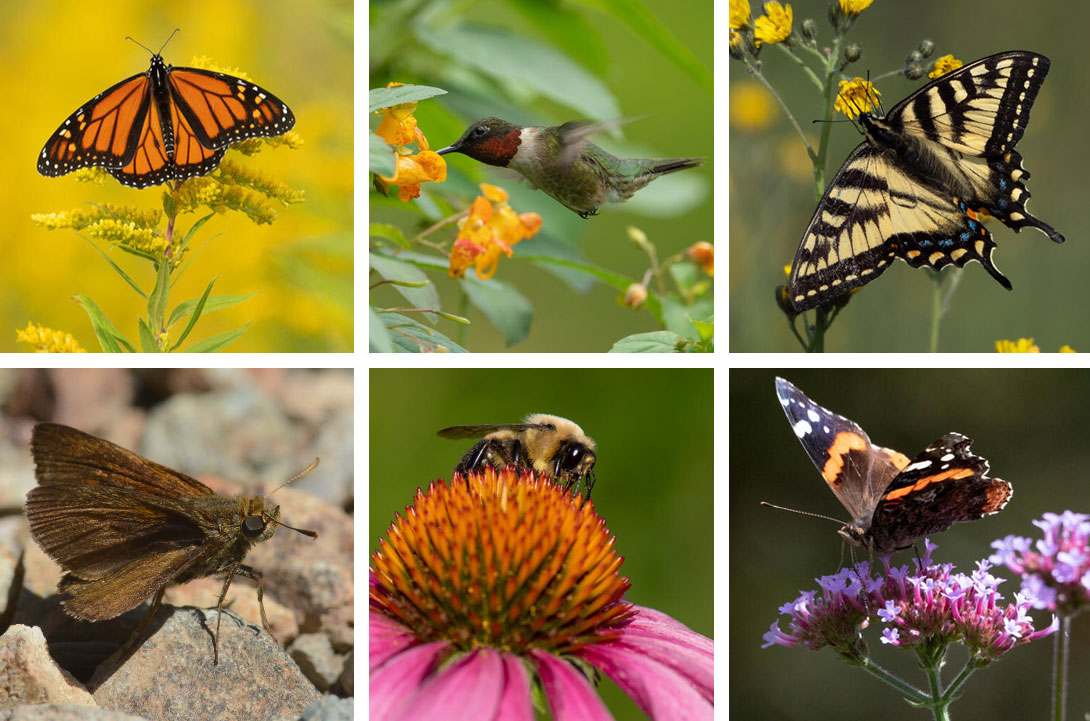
[772,188]
[1031,426]
[654,434]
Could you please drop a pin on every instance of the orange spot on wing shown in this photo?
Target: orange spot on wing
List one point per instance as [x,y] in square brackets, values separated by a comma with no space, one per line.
[843,444]
[953,473]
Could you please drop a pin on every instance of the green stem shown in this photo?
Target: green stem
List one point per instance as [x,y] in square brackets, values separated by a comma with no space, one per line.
[1060,657]
[909,691]
[936,311]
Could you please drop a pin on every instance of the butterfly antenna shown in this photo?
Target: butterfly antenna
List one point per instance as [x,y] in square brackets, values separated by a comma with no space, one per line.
[168,40]
[294,478]
[127,37]
[806,513]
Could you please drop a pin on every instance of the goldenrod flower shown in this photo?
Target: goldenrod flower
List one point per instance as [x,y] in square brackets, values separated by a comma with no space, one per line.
[1022,345]
[775,25]
[47,340]
[751,107]
[1067,349]
[856,96]
[852,8]
[739,14]
[945,64]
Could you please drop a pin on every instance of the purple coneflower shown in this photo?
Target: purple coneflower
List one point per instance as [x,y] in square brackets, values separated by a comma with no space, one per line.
[500,591]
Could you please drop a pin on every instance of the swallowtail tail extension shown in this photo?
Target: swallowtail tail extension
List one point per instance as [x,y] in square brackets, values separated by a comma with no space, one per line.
[917,188]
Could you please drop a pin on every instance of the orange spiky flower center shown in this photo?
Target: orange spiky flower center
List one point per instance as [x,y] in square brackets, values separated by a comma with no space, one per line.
[501,559]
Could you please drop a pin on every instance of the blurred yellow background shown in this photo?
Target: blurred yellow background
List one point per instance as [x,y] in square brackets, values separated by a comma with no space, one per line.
[58,55]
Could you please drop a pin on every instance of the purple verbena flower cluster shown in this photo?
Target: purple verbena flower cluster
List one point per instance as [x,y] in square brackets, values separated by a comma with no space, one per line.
[1055,570]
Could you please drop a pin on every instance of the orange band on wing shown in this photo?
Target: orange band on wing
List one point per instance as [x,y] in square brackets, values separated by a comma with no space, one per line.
[954,473]
[843,444]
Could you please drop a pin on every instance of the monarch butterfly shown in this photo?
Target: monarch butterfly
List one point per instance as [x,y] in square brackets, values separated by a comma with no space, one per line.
[165,124]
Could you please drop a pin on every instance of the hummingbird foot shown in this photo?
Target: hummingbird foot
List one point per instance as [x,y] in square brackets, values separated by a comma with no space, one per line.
[586,214]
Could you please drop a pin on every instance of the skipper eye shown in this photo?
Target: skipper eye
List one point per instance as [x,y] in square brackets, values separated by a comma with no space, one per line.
[253,525]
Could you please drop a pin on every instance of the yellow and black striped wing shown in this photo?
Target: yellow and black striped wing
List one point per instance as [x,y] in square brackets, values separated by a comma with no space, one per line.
[917,189]
[873,212]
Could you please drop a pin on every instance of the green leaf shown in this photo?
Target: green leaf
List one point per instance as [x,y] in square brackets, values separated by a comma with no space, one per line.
[392,269]
[109,337]
[378,340]
[214,303]
[639,20]
[512,58]
[504,306]
[410,336]
[706,329]
[157,303]
[193,230]
[197,310]
[380,98]
[568,30]
[677,317]
[116,267]
[213,344]
[192,258]
[390,232]
[382,157]
[147,338]
[660,341]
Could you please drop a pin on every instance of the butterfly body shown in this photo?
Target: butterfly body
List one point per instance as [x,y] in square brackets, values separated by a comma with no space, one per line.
[921,184]
[893,501]
[166,124]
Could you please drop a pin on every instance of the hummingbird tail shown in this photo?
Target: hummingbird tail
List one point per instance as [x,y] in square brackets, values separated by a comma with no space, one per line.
[672,165]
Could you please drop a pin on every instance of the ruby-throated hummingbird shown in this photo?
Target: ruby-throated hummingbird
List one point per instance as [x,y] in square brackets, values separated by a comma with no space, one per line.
[562,162]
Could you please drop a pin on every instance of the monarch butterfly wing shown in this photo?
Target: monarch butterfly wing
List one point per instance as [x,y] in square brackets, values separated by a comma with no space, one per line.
[873,211]
[151,165]
[104,131]
[222,110]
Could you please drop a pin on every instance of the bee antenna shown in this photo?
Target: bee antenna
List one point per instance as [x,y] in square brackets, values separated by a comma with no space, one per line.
[802,513]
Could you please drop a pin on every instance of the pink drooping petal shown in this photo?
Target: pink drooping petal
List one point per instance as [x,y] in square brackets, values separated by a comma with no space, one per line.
[570,695]
[515,704]
[468,690]
[386,638]
[671,643]
[396,682]
[657,688]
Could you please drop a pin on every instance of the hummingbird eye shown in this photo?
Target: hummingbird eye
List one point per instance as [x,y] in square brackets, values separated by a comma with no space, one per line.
[480,131]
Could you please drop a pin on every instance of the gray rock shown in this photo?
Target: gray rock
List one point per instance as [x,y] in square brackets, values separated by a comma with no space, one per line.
[64,712]
[346,684]
[329,708]
[30,675]
[314,654]
[170,675]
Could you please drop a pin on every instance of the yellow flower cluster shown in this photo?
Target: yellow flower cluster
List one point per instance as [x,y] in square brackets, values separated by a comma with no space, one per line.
[47,340]
[488,232]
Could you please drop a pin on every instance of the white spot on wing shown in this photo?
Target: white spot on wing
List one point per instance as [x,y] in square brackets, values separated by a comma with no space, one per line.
[801,428]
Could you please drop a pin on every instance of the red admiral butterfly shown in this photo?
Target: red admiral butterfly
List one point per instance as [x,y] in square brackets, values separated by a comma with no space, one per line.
[892,502]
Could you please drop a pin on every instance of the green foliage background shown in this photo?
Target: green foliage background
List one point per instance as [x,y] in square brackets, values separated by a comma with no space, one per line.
[769,210]
[1030,425]
[654,434]
[611,60]
[58,55]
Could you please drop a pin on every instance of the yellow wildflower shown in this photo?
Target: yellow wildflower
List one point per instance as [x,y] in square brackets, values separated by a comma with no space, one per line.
[856,96]
[739,14]
[488,232]
[775,25]
[1022,345]
[751,107]
[852,8]
[945,64]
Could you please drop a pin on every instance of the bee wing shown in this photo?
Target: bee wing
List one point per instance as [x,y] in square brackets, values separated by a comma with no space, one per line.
[459,432]
[63,455]
[114,526]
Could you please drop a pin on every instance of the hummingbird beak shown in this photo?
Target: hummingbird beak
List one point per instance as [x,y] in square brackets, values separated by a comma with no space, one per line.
[449,149]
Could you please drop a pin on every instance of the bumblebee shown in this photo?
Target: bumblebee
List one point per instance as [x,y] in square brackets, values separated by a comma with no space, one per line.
[549,445]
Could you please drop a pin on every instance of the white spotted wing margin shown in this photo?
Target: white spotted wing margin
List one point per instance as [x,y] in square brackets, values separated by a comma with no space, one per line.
[919,186]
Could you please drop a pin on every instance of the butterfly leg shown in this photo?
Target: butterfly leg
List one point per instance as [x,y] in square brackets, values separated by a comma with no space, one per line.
[142,627]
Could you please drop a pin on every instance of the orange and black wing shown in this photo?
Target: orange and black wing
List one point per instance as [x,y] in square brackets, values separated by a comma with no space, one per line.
[103,132]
